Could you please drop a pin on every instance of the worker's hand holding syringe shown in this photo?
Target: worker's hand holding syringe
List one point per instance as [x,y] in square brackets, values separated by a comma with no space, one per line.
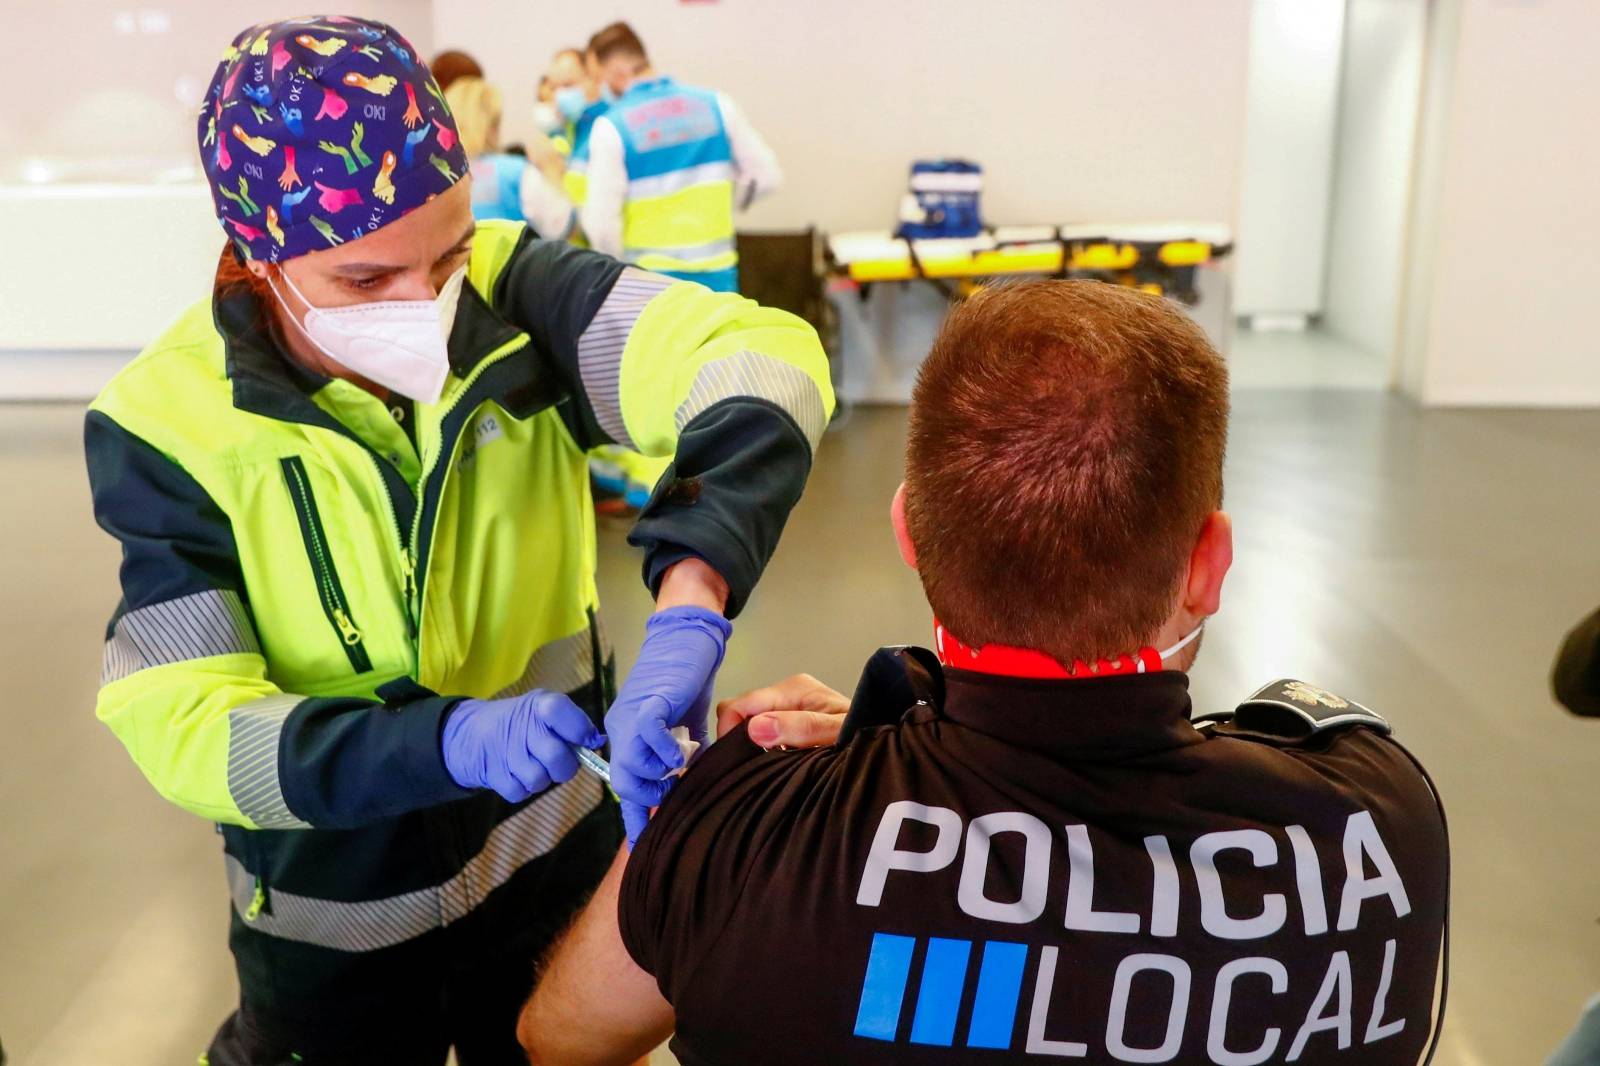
[522,745]
[596,764]
[518,746]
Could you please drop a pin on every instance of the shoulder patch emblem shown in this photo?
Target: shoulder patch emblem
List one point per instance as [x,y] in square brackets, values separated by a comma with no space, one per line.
[1311,696]
[1294,711]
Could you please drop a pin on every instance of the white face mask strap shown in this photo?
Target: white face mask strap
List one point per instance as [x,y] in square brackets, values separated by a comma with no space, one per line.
[1194,635]
[287,280]
[299,325]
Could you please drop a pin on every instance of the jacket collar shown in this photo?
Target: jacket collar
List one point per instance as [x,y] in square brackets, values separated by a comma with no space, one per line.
[1086,719]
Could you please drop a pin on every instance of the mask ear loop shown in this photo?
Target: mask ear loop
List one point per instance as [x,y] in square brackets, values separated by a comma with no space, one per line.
[289,311]
[1165,654]
[1194,635]
[287,280]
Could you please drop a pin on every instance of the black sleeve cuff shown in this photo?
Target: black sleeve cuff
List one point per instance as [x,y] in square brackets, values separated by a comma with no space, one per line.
[739,469]
[346,762]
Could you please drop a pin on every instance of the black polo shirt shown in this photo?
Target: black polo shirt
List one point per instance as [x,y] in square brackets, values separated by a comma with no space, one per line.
[1040,870]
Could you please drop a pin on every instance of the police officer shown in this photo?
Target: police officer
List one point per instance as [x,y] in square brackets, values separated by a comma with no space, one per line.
[1025,845]
[358,624]
[666,165]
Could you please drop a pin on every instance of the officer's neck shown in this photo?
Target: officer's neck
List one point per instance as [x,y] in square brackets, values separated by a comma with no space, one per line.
[1175,645]
[1173,648]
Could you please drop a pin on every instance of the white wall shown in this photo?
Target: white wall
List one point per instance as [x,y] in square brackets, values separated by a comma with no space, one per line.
[1078,109]
[137,73]
[170,228]
[1292,105]
[1504,271]
[1378,98]
[1428,162]
[112,116]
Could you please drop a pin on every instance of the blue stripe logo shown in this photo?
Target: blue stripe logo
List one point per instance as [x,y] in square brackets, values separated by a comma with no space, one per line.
[940,989]
[999,990]
[888,966]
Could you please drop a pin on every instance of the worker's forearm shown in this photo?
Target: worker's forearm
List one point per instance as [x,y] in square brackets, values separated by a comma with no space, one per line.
[694,583]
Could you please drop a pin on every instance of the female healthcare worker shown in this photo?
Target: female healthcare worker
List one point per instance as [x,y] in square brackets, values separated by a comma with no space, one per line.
[357,626]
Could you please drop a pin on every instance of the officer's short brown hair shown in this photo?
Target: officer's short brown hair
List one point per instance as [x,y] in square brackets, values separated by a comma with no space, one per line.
[1064,449]
[617,39]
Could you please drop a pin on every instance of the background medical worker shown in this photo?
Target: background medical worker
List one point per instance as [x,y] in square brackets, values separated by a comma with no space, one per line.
[572,92]
[667,164]
[504,185]
[358,623]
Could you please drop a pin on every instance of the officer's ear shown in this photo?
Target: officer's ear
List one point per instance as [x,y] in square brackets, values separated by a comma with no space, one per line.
[1208,565]
[902,535]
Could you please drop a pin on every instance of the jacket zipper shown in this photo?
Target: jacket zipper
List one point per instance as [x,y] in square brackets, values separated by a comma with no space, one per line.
[329,590]
[408,555]
[601,687]
[442,463]
[258,901]
[412,586]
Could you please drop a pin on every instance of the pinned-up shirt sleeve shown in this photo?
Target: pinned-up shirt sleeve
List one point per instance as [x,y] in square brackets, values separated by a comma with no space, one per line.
[738,394]
[710,837]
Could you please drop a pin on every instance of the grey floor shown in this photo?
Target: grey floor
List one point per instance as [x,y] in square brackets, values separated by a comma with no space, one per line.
[1312,358]
[1427,564]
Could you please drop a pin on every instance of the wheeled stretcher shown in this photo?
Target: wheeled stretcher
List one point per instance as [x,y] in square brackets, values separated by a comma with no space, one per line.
[1156,257]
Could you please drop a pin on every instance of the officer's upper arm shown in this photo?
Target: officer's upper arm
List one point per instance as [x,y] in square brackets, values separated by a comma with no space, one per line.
[604,995]
[703,846]
[593,1003]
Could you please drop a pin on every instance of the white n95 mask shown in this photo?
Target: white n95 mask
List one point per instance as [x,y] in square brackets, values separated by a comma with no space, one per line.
[399,344]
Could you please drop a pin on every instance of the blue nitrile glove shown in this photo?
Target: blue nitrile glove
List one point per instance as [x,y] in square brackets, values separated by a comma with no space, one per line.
[516,746]
[670,685]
